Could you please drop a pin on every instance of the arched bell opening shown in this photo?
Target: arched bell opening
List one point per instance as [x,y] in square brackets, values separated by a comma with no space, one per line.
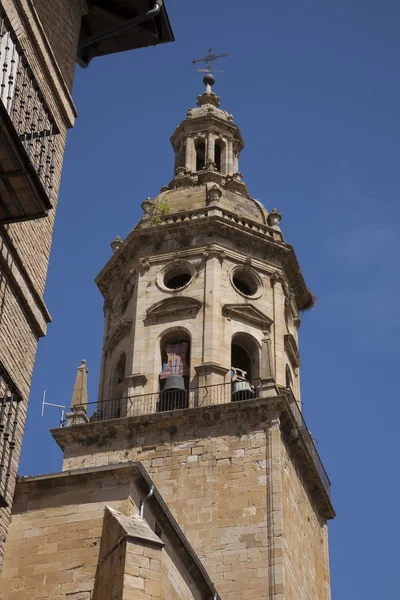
[200,148]
[180,156]
[244,366]
[175,371]
[219,149]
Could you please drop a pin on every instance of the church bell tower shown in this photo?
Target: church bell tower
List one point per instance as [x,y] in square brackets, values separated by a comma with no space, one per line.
[200,375]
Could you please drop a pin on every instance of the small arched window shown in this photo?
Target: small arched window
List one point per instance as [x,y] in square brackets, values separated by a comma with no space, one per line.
[218,154]
[200,154]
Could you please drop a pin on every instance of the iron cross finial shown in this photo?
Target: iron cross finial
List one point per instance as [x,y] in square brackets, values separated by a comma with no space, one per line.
[209,59]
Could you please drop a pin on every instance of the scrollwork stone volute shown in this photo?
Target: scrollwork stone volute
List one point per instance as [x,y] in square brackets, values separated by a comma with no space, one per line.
[211,252]
[276,278]
[214,193]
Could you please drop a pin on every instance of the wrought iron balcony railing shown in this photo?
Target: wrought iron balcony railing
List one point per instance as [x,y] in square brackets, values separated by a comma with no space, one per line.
[212,395]
[300,427]
[9,409]
[28,135]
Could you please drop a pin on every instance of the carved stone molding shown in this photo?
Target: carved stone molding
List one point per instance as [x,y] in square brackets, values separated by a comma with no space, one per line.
[211,252]
[118,331]
[248,313]
[276,278]
[291,349]
[134,380]
[173,308]
[207,368]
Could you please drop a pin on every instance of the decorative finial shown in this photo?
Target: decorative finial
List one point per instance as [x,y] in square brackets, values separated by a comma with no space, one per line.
[116,244]
[209,79]
[274,219]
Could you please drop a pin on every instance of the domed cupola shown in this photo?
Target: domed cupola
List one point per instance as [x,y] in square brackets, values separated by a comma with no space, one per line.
[207,145]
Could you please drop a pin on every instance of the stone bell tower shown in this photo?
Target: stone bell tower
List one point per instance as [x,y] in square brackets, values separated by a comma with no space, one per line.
[200,372]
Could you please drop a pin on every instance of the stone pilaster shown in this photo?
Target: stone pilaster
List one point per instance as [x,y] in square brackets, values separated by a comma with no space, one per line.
[212,309]
[210,150]
[140,316]
[230,169]
[274,507]
[279,328]
[190,167]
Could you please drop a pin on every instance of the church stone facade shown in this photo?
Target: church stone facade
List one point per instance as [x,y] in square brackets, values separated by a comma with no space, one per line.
[200,393]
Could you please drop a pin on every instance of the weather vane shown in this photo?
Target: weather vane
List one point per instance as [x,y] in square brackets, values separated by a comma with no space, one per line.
[209,59]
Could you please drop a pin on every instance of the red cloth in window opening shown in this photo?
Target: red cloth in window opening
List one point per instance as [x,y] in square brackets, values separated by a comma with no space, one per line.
[177,360]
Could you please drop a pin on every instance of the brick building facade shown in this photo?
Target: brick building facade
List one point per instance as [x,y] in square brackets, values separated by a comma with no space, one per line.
[39,44]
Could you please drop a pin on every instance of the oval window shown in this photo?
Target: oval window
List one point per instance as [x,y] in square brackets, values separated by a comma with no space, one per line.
[245,281]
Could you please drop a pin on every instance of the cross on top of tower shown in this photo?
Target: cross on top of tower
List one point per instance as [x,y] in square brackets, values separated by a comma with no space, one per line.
[209,79]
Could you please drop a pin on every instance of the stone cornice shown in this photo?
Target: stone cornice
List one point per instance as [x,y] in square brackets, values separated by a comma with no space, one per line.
[207,368]
[257,410]
[214,224]
[247,312]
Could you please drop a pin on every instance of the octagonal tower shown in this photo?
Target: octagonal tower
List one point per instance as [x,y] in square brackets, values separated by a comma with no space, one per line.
[200,372]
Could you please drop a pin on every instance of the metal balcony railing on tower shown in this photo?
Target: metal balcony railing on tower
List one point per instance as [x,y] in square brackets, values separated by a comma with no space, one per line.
[206,396]
[9,409]
[28,135]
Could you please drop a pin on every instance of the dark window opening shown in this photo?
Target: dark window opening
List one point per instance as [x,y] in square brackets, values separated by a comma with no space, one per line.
[217,156]
[200,155]
[175,282]
[180,157]
[244,282]
[241,360]
[242,286]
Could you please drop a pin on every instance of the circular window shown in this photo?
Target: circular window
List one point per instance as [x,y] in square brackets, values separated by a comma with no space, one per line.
[176,276]
[246,282]
[175,281]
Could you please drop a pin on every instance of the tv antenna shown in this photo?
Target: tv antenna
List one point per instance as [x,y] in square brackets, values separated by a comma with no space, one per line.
[209,59]
[59,406]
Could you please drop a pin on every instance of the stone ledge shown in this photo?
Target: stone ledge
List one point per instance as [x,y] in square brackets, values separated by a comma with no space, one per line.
[98,434]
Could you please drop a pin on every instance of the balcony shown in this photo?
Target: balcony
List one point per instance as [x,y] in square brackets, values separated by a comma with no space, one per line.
[293,423]
[9,410]
[28,135]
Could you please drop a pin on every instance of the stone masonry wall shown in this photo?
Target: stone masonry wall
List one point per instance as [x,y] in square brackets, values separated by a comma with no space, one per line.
[28,244]
[53,551]
[304,538]
[212,475]
[235,491]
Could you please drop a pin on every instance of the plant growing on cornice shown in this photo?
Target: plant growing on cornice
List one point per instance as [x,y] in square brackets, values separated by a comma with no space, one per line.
[154,210]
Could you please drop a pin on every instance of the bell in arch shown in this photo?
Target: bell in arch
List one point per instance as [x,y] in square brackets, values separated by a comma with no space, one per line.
[174,394]
[241,388]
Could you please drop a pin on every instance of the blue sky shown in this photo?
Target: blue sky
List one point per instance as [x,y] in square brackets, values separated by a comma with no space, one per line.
[314,87]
